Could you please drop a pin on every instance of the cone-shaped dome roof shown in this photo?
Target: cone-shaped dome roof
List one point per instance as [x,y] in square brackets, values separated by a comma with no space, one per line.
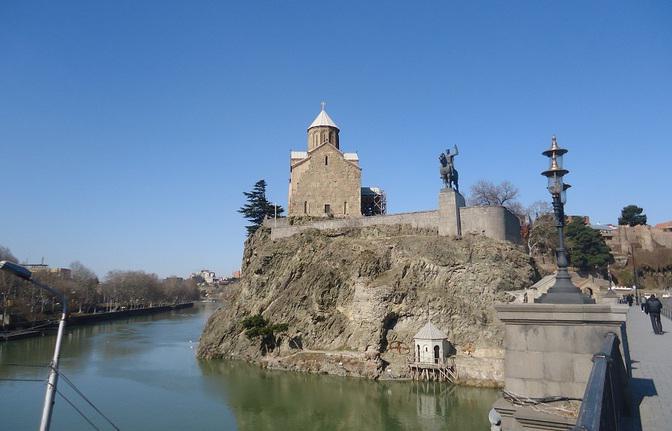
[430,332]
[323,119]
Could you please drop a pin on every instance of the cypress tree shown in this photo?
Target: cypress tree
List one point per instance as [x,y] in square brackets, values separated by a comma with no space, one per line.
[632,215]
[258,207]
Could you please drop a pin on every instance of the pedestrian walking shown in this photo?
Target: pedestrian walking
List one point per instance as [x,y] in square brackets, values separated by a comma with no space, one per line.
[629,299]
[654,307]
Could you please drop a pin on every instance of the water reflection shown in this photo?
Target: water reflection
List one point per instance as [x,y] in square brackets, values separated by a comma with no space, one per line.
[143,374]
[272,400]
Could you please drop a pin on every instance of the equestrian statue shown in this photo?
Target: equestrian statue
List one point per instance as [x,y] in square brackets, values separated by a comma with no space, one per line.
[447,170]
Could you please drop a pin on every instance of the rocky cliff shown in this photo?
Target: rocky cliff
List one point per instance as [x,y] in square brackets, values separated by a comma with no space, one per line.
[354,298]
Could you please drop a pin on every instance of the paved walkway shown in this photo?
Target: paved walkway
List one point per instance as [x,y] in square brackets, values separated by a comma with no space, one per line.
[651,357]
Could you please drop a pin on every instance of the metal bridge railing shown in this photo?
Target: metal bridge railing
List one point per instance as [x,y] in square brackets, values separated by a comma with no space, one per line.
[606,399]
[667,309]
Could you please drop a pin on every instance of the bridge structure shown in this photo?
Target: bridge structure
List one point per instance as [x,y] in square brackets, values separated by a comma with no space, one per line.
[640,401]
[651,382]
[629,386]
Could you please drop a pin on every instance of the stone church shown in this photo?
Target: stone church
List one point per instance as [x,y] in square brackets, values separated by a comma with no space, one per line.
[324,181]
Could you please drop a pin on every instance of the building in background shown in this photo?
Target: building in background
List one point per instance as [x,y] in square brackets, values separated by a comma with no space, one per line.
[65,273]
[204,276]
[665,226]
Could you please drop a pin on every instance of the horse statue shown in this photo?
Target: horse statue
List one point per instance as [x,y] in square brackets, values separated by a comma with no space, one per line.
[447,171]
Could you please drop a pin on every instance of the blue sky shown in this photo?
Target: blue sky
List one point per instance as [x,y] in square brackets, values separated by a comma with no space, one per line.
[129,130]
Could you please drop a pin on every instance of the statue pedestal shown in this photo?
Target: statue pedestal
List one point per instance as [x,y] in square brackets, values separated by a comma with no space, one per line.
[549,350]
[450,202]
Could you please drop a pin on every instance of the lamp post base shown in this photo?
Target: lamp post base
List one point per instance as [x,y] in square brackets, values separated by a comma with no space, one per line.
[564,291]
[564,298]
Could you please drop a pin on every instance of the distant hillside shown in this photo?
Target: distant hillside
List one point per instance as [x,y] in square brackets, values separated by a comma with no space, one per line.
[652,248]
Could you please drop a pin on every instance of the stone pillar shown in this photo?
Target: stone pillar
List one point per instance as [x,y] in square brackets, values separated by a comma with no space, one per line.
[609,298]
[450,202]
[548,352]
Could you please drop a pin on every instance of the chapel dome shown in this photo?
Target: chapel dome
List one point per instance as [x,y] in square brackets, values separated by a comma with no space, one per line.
[323,120]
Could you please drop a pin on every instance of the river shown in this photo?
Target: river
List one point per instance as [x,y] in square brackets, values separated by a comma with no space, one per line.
[142,373]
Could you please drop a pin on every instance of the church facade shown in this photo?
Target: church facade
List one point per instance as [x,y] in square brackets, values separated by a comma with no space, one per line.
[324,181]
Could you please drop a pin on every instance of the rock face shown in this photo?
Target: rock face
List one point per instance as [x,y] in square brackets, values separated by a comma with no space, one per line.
[354,298]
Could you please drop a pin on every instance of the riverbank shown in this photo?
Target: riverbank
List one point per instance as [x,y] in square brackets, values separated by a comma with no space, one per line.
[39,328]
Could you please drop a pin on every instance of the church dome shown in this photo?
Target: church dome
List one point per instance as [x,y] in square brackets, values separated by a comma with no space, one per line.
[323,120]
[430,332]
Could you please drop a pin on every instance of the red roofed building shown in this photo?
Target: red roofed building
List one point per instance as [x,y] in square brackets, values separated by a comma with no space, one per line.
[665,226]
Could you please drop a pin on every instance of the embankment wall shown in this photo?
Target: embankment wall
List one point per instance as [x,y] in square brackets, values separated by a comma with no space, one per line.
[422,219]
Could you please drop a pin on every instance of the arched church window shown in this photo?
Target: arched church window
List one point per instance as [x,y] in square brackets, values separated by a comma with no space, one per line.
[326,160]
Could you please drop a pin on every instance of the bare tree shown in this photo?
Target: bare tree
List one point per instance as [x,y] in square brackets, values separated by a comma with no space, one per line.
[542,239]
[82,273]
[6,254]
[127,288]
[485,193]
[538,209]
[85,284]
[138,288]
[179,290]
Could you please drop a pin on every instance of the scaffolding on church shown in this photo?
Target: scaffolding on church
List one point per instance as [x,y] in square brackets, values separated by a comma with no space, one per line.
[374,201]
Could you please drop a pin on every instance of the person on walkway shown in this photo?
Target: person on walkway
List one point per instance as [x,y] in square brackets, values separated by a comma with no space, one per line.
[629,299]
[654,307]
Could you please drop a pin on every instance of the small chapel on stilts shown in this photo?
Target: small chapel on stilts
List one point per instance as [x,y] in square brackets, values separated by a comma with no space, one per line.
[432,355]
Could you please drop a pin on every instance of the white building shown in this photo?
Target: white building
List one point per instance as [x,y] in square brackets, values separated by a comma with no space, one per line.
[208,276]
[431,346]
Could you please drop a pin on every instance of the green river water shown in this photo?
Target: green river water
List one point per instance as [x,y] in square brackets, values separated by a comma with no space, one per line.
[142,374]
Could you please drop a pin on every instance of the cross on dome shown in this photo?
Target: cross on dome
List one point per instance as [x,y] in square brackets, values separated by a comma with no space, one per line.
[323,119]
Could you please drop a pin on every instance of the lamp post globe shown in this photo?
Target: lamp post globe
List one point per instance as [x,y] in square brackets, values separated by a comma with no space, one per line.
[563,290]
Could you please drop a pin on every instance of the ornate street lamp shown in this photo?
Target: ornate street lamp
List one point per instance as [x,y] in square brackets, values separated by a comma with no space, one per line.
[563,290]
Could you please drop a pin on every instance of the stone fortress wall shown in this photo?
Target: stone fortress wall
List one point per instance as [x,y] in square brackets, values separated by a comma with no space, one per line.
[420,219]
[494,222]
